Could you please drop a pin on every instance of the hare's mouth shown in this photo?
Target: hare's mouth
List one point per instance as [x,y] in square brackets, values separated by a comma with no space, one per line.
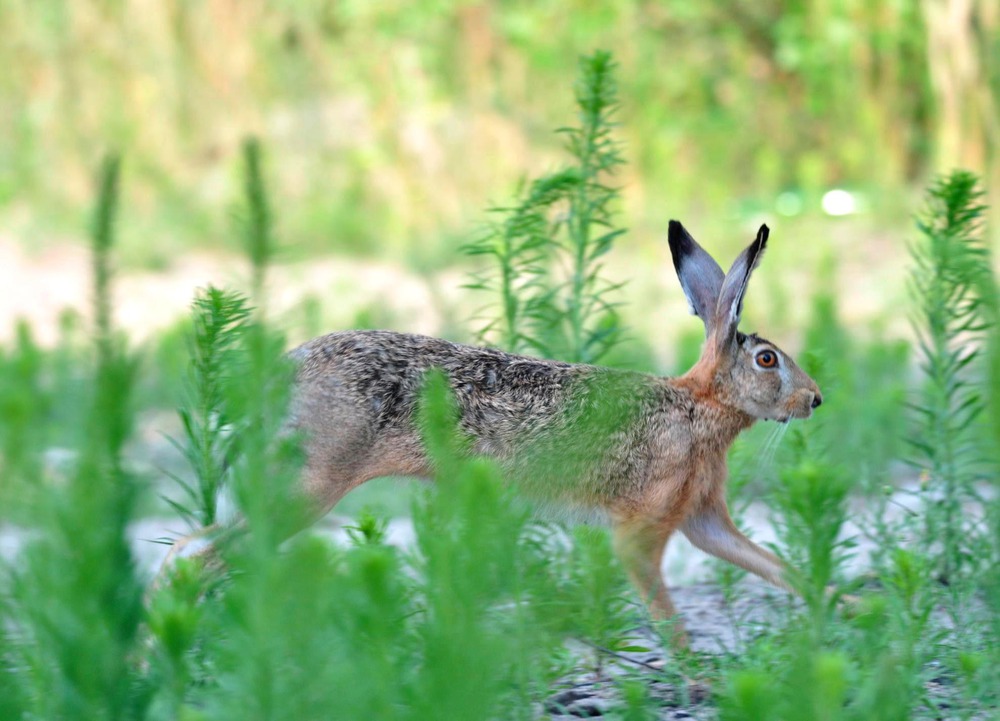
[804,414]
[787,418]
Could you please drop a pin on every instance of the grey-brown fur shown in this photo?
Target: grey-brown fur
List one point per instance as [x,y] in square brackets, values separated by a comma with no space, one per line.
[648,451]
[543,420]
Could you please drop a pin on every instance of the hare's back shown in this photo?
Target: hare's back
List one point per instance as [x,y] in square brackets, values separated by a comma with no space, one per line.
[380,374]
[548,421]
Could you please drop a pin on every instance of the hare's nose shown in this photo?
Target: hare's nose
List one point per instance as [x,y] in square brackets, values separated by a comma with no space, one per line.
[817,400]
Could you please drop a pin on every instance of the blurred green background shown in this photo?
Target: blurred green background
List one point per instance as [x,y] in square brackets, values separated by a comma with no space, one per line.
[390,127]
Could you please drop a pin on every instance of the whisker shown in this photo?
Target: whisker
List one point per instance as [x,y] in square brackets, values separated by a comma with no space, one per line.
[771,443]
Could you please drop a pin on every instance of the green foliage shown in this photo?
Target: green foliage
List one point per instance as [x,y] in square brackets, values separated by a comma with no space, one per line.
[219,321]
[824,676]
[469,539]
[76,601]
[11,691]
[102,241]
[25,410]
[548,249]
[950,261]
[175,619]
[520,245]
[257,229]
[370,529]
[269,456]
[45,398]
[864,381]
[867,668]
[592,590]
[590,320]
[250,385]
[812,500]
[988,291]
[637,706]
[373,110]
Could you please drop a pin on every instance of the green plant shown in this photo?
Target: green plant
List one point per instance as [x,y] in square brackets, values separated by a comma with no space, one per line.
[520,246]
[864,380]
[257,224]
[12,701]
[812,499]
[102,239]
[261,623]
[370,529]
[950,261]
[75,595]
[219,322]
[591,322]
[548,249]
[593,585]
[867,667]
[26,403]
[176,618]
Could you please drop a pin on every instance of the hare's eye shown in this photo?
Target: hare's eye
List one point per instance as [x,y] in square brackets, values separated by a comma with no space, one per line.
[767,359]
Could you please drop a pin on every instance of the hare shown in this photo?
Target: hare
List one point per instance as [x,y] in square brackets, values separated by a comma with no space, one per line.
[654,461]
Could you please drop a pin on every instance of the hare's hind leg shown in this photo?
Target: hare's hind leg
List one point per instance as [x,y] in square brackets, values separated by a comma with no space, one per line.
[201,547]
[336,464]
[319,492]
[639,544]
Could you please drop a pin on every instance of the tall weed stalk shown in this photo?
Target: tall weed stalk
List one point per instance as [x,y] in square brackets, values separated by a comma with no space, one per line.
[812,499]
[219,322]
[26,406]
[548,249]
[950,261]
[102,239]
[257,224]
[76,596]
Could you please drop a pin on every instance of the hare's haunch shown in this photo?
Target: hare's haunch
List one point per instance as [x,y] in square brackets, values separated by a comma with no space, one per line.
[648,451]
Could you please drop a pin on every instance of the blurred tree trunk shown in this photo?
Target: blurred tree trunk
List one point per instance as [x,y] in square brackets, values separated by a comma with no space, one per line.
[961,41]
[478,48]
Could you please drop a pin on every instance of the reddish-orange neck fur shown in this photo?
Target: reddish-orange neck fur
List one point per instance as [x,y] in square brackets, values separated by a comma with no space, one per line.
[715,419]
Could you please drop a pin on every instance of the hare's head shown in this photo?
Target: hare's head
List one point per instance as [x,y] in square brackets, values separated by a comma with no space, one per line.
[741,371]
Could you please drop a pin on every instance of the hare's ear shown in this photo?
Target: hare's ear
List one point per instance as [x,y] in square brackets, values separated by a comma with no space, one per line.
[700,276]
[730,305]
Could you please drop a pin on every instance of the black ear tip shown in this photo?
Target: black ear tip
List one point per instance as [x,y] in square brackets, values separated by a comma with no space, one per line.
[680,242]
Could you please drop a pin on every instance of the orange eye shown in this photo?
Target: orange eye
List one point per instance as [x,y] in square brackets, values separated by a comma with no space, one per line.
[767,359]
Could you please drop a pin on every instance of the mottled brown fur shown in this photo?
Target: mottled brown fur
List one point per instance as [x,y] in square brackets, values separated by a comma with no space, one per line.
[649,452]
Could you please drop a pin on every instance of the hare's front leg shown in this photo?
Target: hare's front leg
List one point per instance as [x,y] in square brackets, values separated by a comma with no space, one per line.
[639,544]
[711,529]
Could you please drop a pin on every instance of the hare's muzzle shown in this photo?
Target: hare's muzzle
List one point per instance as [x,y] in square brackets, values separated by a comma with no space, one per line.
[802,403]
